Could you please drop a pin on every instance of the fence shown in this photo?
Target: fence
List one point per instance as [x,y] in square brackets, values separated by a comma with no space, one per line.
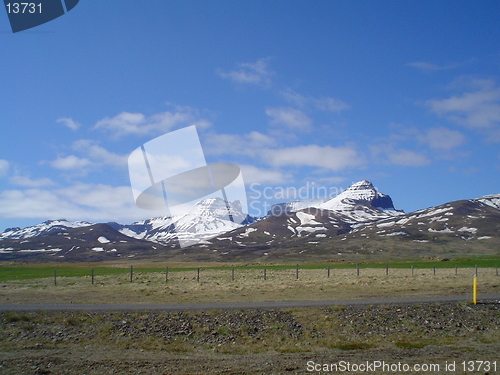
[265,272]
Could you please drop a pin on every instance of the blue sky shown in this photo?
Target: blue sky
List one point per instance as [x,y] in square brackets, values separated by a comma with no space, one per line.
[405,94]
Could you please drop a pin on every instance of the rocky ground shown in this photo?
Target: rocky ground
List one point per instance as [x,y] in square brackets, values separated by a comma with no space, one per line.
[291,341]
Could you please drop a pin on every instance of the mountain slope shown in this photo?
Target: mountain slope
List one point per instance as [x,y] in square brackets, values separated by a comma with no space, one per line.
[65,240]
[80,243]
[208,218]
[361,193]
[360,202]
[464,219]
[454,228]
[47,227]
[360,223]
[317,223]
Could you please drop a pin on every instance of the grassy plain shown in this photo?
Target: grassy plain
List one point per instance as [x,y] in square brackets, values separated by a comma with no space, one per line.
[243,283]
[246,341]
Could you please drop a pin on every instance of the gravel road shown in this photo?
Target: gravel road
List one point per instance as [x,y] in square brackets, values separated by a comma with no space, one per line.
[235,305]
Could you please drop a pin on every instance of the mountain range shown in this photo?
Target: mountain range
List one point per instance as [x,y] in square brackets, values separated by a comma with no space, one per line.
[359,223]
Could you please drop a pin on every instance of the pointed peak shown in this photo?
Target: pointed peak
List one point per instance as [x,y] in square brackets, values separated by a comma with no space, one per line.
[362,191]
[363,184]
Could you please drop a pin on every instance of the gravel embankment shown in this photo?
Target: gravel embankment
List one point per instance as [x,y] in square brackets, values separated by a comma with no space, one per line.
[271,341]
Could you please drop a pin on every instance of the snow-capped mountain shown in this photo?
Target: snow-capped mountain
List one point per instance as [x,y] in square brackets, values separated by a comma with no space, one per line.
[454,228]
[46,228]
[294,206]
[492,200]
[208,218]
[69,241]
[88,241]
[362,220]
[358,222]
[362,192]
[359,203]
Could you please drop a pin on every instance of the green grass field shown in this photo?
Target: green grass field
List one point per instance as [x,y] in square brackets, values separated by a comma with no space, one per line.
[11,272]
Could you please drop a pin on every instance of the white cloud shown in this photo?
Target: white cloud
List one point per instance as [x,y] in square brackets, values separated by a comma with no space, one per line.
[71,163]
[442,138]
[430,67]
[98,154]
[327,104]
[102,198]
[4,167]
[332,180]
[252,174]
[386,153]
[259,140]
[327,157]
[28,182]
[33,203]
[290,117]
[256,73]
[127,123]
[68,122]
[90,156]
[406,158]
[330,104]
[224,144]
[92,202]
[478,107]
[234,144]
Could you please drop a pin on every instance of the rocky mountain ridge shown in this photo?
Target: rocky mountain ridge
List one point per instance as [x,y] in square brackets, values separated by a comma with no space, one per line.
[360,220]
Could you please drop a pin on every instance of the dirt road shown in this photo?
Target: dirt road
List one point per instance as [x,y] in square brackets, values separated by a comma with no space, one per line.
[235,305]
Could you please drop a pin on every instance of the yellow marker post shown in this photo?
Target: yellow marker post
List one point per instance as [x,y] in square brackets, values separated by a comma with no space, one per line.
[474,290]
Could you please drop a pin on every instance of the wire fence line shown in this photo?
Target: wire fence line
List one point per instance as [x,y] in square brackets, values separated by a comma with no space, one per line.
[270,273]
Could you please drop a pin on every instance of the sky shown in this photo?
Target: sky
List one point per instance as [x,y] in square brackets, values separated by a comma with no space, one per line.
[306,97]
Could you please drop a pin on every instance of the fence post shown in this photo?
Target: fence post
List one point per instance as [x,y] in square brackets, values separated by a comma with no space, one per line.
[357,269]
[92,276]
[434,269]
[131,273]
[166,274]
[265,276]
[456,269]
[297,272]
[198,275]
[476,270]
[328,271]
[232,274]
[55,277]
[496,267]
[387,269]
[412,269]
[474,290]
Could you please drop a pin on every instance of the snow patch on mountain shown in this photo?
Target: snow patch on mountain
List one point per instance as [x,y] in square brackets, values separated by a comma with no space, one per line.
[492,200]
[45,228]
[355,200]
[306,219]
[294,206]
[103,239]
[247,232]
[359,203]
[207,219]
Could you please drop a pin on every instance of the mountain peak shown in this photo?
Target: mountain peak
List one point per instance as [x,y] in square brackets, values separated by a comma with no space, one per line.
[362,192]
[362,183]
